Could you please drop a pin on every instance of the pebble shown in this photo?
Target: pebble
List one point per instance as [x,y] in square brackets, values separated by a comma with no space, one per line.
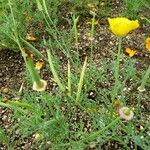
[1,74]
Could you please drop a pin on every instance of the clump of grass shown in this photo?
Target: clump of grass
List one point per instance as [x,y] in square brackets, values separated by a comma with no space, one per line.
[134,7]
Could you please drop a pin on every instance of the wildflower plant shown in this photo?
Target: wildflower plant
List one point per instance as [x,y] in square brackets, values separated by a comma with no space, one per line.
[120,26]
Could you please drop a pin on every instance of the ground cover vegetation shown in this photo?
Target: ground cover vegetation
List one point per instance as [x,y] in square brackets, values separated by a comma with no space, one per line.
[74,74]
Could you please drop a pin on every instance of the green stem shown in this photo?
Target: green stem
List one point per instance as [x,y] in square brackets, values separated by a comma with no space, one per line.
[128,111]
[78,94]
[16,37]
[75,21]
[117,63]
[97,133]
[56,78]
[33,72]
[69,79]
[147,19]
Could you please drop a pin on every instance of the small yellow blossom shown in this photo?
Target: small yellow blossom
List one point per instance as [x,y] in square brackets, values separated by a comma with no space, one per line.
[91,5]
[4,90]
[37,136]
[40,88]
[39,65]
[102,4]
[31,38]
[95,22]
[89,34]
[121,26]
[4,100]
[148,43]
[131,52]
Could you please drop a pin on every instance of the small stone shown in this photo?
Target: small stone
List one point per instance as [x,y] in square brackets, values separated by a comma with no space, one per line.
[92,94]
[85,129]
[49,142]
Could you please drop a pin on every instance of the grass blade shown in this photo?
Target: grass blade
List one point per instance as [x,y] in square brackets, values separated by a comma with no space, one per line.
[69,79]
[56,78]
[19,104]
[81,80]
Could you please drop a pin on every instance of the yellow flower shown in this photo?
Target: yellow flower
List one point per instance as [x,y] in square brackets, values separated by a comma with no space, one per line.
[39,65]
[4,90]
[121,26]
[148,43]
[91,5]
[37,136]
[4,100]
[131,52]
[31,38]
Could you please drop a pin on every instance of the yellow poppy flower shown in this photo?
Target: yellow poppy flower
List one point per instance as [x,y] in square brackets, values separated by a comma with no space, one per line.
[39,65]
[121,26]
[131,52]
[31,38]
[148,43]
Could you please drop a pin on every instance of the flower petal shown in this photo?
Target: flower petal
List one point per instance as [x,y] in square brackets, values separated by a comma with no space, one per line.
[121,26]
[130,52]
